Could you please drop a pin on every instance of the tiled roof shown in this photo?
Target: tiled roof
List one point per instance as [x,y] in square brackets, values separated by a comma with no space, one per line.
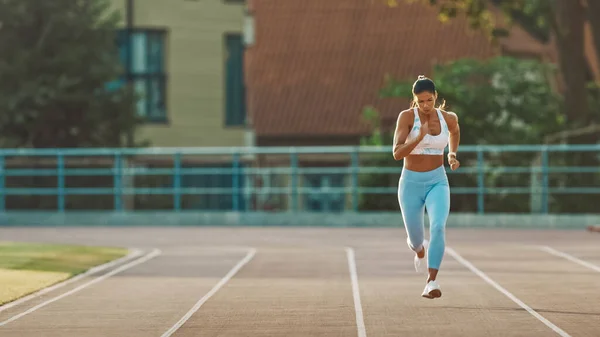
[316,64]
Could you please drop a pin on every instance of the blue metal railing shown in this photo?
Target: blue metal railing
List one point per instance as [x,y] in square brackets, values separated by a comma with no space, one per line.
[188,183]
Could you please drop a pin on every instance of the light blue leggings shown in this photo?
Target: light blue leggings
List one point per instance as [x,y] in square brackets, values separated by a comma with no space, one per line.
[429,190]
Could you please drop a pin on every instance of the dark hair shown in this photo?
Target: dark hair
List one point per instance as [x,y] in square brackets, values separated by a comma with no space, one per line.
[424,84]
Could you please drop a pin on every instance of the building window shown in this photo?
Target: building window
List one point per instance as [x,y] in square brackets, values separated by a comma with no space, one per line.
[235,91]
[146,70]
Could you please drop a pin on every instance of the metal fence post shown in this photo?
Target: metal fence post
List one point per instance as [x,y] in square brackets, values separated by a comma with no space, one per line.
[545,183]
[60,163]
[355,187]
[294,178]
[480,182]
[2,185]
[235,183]
[177,182]
[118,188]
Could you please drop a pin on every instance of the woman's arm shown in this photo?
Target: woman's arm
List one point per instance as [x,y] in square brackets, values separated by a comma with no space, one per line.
[454,142]
[401,147]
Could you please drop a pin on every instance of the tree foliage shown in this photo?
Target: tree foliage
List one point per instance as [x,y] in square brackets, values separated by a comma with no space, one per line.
[502,100]
[562,19]
[57,58]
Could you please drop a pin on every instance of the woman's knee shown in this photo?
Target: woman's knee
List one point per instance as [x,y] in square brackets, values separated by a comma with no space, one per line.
[437,231]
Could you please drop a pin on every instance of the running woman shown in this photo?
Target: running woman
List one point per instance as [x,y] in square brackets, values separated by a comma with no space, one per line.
[422,133]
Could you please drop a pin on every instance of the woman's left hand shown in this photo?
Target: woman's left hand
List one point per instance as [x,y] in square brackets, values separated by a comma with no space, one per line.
[453,162]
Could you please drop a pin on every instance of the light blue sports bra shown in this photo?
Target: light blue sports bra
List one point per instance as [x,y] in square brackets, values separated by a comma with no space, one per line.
[430,145]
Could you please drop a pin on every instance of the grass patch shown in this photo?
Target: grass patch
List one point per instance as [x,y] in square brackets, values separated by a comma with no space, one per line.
[28,267]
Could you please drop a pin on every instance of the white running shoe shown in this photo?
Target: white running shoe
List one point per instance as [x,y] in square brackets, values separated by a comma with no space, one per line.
[418,268]
[432,290]
[417,260]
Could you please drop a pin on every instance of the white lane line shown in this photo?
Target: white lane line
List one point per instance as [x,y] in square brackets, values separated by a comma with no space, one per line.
[133,253]
[122,268]
[360,323]
[570,257]
[213,291]
[498,287]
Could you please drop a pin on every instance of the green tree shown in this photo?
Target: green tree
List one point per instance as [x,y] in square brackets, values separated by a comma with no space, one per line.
[58,64]
[512,95]
[57,58]
[498,101]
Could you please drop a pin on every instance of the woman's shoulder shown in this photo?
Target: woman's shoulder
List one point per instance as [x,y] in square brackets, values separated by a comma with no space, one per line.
[449,115]
[406,115]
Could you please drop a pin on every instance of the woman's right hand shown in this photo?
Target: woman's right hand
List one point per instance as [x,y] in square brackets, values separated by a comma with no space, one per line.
[404,125]
[424,130]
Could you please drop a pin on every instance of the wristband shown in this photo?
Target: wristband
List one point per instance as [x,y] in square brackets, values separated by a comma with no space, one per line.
[452,154]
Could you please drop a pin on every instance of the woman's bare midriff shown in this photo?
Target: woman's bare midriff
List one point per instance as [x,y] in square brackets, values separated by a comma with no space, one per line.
[422,162]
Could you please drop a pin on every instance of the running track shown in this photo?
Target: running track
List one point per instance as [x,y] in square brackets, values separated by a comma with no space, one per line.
[317,282]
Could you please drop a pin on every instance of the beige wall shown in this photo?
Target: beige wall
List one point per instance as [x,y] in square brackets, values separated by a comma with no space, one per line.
[195,59]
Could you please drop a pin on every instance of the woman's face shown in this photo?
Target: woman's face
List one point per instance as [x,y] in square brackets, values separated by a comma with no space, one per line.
[425,101]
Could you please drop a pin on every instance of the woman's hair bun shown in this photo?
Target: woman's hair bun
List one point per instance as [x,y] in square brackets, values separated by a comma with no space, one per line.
[421,77]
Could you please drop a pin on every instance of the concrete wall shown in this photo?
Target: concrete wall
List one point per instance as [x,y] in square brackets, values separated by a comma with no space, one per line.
[195,66]
[287,219]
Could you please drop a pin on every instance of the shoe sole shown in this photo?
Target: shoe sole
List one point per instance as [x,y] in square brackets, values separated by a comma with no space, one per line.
[433,294]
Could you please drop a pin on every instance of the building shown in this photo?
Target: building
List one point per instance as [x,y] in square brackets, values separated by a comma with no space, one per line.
[187,62]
